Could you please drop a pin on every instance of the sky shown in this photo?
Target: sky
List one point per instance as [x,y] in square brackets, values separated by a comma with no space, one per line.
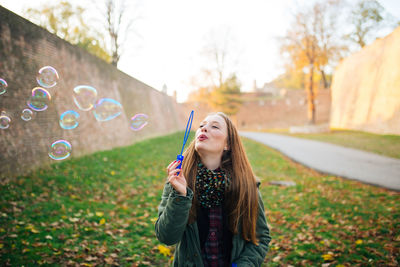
[169,37]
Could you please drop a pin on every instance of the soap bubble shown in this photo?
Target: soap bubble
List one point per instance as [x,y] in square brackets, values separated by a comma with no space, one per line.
[47,77]
[107,109]
[39,99]
[85,97]
[60,150]
[69,119]
[139,121]
[4,121]
[27,114]
[3,86]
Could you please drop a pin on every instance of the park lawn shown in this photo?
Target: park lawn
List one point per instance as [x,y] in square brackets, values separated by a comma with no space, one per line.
[383,144]
[100,210]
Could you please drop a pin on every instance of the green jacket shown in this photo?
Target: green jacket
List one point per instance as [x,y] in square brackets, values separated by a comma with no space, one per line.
[172,228]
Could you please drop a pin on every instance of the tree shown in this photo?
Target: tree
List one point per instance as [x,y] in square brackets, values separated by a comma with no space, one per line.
[292,79]
[68,23]
[226,97]
[220,87]
[201,95]
[311,45]
[118,25]
[366,17]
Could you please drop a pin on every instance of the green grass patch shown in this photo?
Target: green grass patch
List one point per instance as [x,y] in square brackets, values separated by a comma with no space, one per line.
[100,209]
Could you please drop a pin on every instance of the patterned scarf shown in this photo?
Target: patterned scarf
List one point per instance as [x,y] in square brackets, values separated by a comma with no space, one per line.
[210,186]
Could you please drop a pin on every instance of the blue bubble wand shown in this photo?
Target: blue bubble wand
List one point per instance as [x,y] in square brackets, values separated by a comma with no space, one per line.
[187,131]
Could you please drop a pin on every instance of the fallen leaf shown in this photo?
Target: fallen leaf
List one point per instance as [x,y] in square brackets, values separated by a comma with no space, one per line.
[109,260]
[73,219]
[327,257]
[276,259]
[164,250]
[33,230]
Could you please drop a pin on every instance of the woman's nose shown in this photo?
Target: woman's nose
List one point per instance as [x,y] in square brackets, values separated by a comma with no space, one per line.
[204,128]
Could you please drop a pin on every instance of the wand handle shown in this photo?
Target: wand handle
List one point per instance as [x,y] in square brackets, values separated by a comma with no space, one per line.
[187,132]
[180,158]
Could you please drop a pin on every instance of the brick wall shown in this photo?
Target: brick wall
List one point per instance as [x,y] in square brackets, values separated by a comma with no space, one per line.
[264,111]
[24,49]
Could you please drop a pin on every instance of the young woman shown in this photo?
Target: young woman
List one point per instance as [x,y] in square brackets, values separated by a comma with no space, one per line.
[212,208]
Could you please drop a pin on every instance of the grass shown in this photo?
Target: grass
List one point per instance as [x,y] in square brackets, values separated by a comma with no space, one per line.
[100,209]
[383,144]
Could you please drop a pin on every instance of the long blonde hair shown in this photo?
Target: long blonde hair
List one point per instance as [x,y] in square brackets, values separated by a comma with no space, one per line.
[241,197]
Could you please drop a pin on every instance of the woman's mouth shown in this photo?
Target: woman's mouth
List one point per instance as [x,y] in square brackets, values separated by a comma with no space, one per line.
[202,137]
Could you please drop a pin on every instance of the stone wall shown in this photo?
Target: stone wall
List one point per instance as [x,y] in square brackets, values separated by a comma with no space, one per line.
[366,88]
[24,49]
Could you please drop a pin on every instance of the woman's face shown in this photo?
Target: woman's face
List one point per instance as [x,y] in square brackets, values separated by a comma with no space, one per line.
[211,136]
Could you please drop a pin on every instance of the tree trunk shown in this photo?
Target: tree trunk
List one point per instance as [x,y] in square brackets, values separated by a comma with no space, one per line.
[310,97]
[324,79]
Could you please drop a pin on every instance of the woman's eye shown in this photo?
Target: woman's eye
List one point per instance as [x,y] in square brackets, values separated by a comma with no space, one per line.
[201,126]
[215,127]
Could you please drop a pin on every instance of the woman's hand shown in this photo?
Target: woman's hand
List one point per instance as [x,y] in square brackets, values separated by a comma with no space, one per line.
[178,182]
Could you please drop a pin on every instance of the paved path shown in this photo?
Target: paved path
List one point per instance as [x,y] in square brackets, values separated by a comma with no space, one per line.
[335,160]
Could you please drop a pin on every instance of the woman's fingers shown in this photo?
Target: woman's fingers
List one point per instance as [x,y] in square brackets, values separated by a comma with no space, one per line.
[174,172]
[172,166]
[176,164]
[169,166]
[177,181]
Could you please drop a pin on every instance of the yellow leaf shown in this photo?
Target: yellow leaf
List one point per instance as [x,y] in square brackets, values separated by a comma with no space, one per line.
[2,230]
[112,172]
[340,265]
[99,214]
[1,246]
[359,242]
[33,230]
[102,221]
[327,257]
[87,264]
[164,250]
[153,220]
